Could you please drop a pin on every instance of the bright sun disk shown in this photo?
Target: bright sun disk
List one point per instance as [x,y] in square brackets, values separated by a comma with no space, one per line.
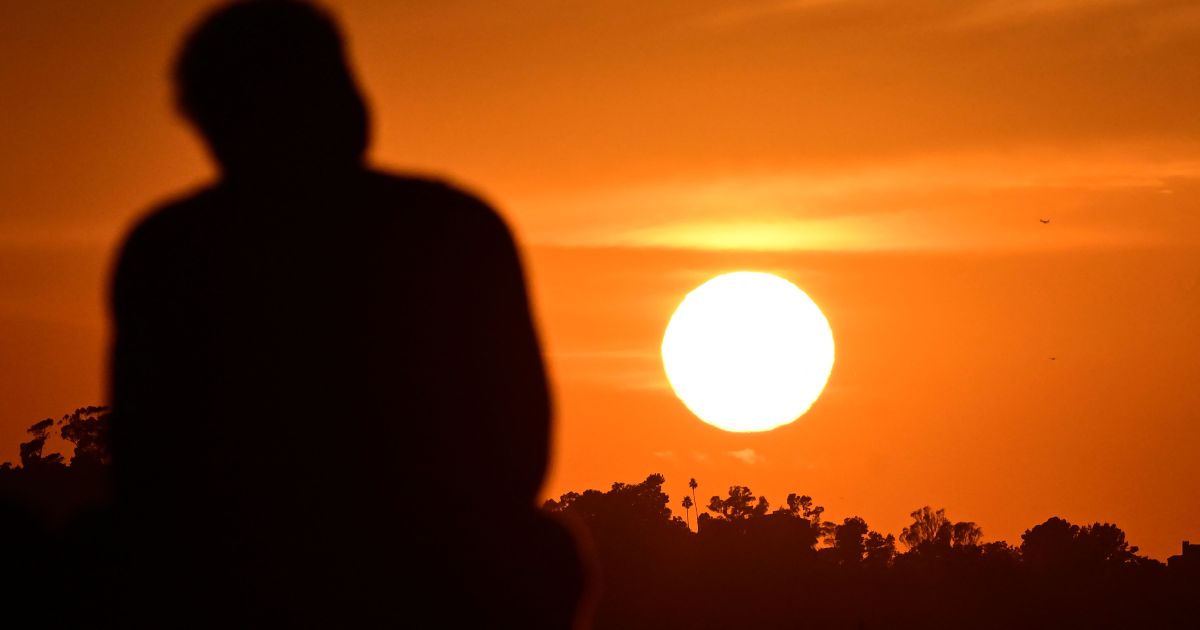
[748,351]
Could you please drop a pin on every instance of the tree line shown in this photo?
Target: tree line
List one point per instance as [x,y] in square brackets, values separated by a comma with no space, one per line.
[746,565]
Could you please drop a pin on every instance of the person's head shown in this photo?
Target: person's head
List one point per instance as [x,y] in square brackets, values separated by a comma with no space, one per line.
[267,84]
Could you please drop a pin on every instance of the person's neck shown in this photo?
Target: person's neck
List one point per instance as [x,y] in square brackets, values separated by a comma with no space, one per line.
[290,172]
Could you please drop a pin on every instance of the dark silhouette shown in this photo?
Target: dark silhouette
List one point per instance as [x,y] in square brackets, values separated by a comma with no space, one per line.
[330,411]
[931,529]
[745,567]
[315,364]
[1044,221]
[1057,544]
[750,567]
[1188,560]
[54,527]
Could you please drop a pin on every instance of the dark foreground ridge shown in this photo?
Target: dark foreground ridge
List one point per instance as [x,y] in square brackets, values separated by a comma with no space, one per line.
[747,566]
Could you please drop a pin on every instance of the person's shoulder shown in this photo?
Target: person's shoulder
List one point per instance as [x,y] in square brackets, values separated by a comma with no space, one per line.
[153,240]
[453,201]
[171,215]
[424,185]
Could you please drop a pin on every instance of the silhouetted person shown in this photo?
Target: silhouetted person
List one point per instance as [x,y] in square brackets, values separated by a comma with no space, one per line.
[326,381]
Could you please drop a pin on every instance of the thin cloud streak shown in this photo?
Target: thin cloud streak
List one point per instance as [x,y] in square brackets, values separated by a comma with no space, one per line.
[934,204]
[991,12]
[953,14]
[627,370]
[746,12]
[747,456]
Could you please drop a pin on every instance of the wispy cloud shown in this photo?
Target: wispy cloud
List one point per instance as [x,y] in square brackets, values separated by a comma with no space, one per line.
[747,456]
[623,369]
[743,12]
[937,203]
[602,355]
[960,14]
[669,456]
[988,12]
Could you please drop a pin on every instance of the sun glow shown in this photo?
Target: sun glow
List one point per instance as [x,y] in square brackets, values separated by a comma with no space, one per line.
[748,351]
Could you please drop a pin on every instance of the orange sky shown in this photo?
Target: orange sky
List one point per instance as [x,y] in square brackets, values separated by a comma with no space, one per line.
[892,159]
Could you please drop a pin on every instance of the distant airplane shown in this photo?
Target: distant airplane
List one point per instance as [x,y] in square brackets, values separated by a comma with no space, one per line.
[1044,220]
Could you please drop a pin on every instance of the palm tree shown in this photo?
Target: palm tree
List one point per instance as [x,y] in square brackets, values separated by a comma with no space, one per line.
[687,507]
[693,485]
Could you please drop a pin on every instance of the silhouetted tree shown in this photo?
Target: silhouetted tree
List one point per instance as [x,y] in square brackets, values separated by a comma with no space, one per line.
[928,527]
[965,534]
[740,505]
[643,503]
[639,548]
[1058,544]
[1105,543]
[87,429]
[54,527]
[1050,544]
[932,530]
[31,451]
[740,537]
[687,508]
[1000,552]
[849,544]
[693,485]
[801,505]
[879,550]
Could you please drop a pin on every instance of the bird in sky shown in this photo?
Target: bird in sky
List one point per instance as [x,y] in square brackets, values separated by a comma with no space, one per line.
[1044,220]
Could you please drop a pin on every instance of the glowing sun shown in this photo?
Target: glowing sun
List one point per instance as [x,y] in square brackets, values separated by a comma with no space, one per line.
[748,351]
